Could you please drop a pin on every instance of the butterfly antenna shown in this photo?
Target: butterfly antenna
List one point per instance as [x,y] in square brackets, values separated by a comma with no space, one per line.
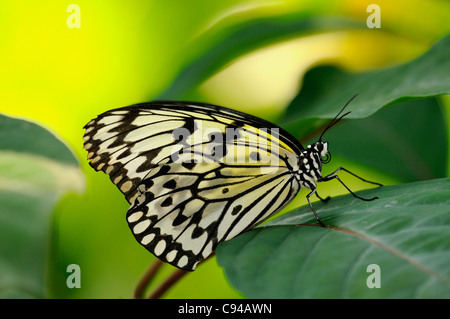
[338,117]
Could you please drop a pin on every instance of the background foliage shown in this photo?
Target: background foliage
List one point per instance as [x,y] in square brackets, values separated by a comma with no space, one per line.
[291,62]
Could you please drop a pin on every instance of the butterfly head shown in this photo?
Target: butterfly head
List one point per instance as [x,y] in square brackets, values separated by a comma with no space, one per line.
[321,148]
[317,155]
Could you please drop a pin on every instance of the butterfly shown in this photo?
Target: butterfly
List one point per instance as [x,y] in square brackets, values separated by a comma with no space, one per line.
[198,174]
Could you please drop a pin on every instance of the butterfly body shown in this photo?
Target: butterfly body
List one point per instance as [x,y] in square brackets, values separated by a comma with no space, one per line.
[198,174]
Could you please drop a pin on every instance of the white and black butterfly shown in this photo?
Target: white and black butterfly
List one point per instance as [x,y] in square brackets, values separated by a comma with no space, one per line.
[197,174]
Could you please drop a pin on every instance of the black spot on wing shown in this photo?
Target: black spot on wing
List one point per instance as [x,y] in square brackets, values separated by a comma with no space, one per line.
[236,209]
[167,202]
[171,184]
[189,165]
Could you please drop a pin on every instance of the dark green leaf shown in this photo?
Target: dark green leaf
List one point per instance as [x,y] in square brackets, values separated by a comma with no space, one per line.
[408,141]
[404,232]
[326,89]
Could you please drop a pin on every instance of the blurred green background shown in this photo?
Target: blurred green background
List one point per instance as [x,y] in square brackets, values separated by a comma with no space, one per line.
[248,55]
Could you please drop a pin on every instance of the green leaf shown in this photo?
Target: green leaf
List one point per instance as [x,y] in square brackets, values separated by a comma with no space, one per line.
[394,148]
[404,232]
[29,138]
[326,90]
[248,36]
[36,168]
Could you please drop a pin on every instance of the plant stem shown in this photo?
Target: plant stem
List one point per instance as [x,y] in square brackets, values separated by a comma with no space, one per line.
[165,285]
[147,278]
[169,282]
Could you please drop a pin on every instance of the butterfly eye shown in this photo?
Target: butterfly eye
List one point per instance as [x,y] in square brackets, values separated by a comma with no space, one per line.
[327,158]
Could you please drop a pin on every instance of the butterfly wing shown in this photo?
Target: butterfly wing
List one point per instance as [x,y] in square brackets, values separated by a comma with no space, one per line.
[184,201]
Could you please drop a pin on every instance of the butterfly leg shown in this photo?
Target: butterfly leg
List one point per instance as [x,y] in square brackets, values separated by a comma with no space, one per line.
[333,175]
[323,200]
[312,208]
[364,180]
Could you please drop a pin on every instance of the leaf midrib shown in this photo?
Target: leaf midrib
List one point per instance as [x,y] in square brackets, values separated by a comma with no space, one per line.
[397,253]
